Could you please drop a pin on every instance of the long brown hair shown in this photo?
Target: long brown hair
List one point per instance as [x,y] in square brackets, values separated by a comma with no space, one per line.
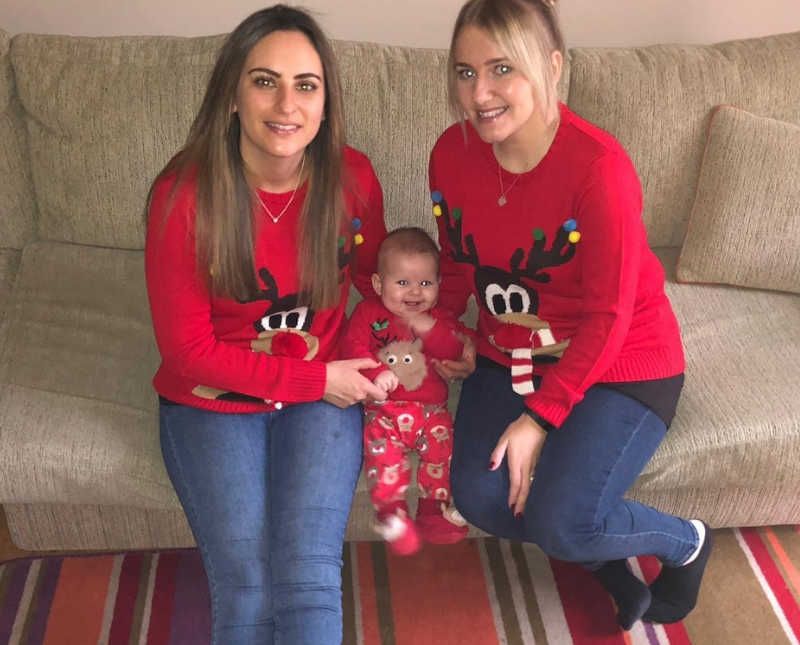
[223,218]
[527,31]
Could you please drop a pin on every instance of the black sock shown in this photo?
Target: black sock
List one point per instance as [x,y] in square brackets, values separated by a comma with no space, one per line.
[631,594]
[675,590]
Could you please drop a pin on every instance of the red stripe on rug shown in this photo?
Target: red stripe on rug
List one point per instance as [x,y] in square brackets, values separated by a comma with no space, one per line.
[774,578]
[128,589]
[76,615]
[439,596]
[368,598]
[163,599]
[676,632]
[588,608]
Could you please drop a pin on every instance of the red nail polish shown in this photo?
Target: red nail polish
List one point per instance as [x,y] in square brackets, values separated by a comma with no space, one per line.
[517,515]
[491,465]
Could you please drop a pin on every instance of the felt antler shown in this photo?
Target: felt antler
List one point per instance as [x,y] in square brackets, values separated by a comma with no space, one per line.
[453,228]
[539,257]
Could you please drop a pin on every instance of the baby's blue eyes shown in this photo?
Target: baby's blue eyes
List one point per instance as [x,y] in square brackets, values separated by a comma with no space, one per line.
[422,283]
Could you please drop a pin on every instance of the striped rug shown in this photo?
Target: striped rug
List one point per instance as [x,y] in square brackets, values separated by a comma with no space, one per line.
[478,592]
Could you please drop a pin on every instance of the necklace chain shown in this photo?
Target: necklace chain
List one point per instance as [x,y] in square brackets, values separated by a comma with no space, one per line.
[501,201]
[275,218]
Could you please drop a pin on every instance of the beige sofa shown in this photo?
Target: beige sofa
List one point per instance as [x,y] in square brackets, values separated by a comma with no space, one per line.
[85,123]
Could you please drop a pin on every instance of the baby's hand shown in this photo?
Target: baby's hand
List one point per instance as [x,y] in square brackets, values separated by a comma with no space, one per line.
[387,381]
[422,323]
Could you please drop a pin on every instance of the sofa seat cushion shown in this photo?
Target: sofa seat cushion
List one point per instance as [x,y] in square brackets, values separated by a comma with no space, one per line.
[738,421]
[77,410]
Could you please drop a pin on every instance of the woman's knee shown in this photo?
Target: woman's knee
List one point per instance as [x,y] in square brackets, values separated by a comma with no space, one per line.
[479,496]
[561,532]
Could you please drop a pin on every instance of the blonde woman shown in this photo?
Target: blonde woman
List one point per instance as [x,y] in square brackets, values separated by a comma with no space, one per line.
[580,362]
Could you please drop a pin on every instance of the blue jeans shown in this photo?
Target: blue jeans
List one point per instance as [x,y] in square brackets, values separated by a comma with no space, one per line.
[268,497]
[575,510]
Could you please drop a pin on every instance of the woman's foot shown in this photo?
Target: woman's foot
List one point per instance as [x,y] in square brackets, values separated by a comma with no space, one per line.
[675,590]
[436,526]
[631,595]
[399,532]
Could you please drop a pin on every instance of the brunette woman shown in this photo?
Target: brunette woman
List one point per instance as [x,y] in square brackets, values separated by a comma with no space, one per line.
[254,229]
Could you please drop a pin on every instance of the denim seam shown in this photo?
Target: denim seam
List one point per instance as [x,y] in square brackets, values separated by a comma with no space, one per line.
[200,539]
[605,487]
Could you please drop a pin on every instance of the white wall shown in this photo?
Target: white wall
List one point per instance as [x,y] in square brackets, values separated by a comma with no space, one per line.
[424,23]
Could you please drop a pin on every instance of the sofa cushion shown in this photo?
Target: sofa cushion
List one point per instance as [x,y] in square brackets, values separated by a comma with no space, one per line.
[104,115]
[17,206]
[658,100]
[745,224]
[77,410]
[737,427]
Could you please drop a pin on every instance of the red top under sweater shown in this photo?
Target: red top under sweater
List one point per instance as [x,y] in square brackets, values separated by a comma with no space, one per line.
[569,247]
[372,327]
[211,354]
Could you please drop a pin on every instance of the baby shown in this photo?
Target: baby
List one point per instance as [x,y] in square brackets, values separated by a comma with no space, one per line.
[402,328]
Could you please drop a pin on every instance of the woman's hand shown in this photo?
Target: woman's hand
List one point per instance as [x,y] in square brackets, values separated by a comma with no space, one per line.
[345,385]
[522,443]
[463,367]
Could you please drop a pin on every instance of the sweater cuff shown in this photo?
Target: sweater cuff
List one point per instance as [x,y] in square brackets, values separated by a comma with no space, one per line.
[554,412]
[307,382]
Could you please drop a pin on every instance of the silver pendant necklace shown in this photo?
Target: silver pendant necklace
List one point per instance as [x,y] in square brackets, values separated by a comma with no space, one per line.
[275,218]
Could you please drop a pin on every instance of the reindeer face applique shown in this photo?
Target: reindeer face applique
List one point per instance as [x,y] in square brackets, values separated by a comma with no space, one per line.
[403,357]
[283,330]
[502,292]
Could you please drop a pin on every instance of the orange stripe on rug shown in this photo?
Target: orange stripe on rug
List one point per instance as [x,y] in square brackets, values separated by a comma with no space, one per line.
[76,614]
[439,596]
[789,570]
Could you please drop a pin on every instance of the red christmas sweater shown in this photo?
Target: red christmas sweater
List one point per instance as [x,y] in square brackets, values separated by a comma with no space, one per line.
[375,332]
[229,356]
[565,260]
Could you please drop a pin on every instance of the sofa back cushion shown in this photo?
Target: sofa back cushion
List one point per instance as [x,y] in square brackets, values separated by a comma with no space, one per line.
[658,101]
[17,206]
[106,114]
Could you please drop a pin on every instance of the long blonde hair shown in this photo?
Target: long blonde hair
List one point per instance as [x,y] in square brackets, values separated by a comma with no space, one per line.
[527,31]
[223,218]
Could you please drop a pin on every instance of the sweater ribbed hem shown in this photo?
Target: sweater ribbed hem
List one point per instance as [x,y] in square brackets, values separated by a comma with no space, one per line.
[306,385]
[658,363]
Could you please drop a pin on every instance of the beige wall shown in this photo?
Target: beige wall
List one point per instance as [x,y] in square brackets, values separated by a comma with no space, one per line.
[424,23]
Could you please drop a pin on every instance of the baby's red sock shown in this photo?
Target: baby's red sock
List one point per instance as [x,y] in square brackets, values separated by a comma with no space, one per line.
[397,529]
[433,527]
